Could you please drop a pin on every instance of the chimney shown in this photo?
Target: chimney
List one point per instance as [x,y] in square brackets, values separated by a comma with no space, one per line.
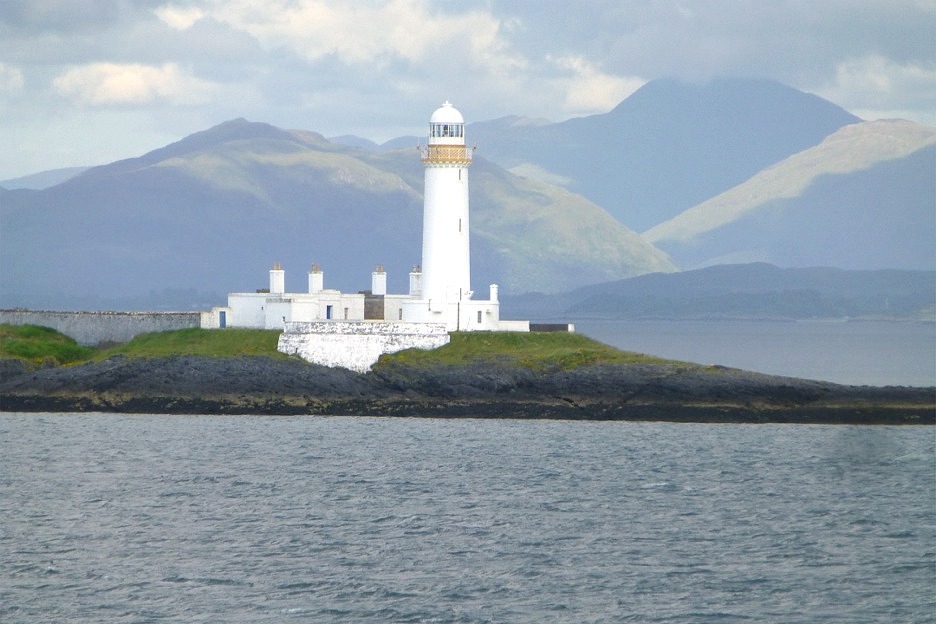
[316,279]
[277,280]
[379,281]
[415,282]
[494,290]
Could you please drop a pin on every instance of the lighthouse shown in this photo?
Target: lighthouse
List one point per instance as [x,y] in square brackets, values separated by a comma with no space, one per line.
[446,258]
[445,294]
[353,330]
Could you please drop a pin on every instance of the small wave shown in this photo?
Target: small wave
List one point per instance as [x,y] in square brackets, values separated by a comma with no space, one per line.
[664,486]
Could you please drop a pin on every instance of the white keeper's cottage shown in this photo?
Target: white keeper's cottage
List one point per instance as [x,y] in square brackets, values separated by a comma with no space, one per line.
[352,330]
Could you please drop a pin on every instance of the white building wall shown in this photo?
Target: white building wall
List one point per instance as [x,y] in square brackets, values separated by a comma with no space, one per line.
[393,306]
[268,311]
[357,345]
[247,310]
[465,315]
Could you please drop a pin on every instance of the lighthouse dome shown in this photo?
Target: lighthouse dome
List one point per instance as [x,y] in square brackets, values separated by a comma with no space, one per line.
[447,114]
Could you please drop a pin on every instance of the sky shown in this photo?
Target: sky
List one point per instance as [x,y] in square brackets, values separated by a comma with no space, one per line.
[87,82]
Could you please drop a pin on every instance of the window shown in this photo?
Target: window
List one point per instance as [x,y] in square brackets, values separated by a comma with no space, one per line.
[479,316]
[346,314]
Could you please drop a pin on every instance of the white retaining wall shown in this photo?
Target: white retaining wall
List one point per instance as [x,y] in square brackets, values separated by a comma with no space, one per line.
[91,328]
[357,345]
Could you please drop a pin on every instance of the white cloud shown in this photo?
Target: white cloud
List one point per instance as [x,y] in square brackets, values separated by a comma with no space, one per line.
[588,89]
[180,18]
[11,80]
[367,33]
[103,84]
[873,87]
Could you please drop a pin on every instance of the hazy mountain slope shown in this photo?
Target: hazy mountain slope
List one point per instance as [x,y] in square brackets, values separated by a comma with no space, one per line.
[756,290]
[214,211]
[863,198]
[667,147]
[43,179]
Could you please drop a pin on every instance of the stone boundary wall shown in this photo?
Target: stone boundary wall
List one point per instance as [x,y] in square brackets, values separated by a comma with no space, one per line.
[357,345]
[91,328]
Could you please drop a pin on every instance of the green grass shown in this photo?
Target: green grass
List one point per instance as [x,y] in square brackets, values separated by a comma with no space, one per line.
[537,350]
[229,342]
[36,344]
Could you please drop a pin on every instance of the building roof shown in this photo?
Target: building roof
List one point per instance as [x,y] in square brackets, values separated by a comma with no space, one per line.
[447,114]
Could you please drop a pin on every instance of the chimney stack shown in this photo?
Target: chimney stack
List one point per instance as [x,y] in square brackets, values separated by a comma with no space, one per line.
[316,279]
[277,280]
[379,281]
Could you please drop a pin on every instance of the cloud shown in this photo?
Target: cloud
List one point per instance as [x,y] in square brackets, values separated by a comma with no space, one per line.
[180,18]
[590,90]
[372,67]
[104,84]
[11,80]
[363,33]
[874,86]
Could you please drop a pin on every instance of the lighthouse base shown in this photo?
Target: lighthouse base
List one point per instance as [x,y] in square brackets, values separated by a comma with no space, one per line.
[357,345]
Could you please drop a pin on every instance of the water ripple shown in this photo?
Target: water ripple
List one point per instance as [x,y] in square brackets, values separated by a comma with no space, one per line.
[245,519]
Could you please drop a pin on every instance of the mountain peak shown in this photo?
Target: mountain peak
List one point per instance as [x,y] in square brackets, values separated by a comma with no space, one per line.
[239,129]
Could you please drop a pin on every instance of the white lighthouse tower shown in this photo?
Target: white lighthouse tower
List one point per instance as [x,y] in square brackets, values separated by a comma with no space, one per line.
[445,295]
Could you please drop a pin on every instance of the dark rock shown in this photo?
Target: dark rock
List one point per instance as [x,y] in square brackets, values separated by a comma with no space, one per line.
[260,385]
[11,368]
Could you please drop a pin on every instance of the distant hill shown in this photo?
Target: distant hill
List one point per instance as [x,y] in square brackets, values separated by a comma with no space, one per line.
[43,179]
[666,148]
[744,291]
[864,198]
[211,213]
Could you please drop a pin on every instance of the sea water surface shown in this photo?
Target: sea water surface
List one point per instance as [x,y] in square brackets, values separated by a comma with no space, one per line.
[875,353]
[144,518]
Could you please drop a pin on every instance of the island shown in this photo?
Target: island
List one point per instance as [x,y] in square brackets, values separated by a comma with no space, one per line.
[477,375]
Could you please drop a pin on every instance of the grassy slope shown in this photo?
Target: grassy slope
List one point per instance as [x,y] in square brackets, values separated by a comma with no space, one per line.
[230,342]
[534,350]
[36,344]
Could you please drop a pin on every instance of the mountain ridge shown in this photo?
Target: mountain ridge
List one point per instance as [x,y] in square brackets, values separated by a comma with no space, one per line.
[222,205]
[709,136]
[836,154]
[744,291]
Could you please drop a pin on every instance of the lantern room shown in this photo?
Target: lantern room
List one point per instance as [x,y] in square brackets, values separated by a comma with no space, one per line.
[446,126]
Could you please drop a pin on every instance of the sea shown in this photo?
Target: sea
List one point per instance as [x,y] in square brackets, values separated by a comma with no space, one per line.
[254,519]
[855,352]
[150,518]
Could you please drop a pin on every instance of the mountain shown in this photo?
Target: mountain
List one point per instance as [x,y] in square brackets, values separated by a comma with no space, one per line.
[743,291]
[211,213]
[43,179]
[664,149]
[863,198]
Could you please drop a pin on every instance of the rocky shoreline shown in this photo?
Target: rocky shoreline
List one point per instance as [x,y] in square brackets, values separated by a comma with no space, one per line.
[266,386]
